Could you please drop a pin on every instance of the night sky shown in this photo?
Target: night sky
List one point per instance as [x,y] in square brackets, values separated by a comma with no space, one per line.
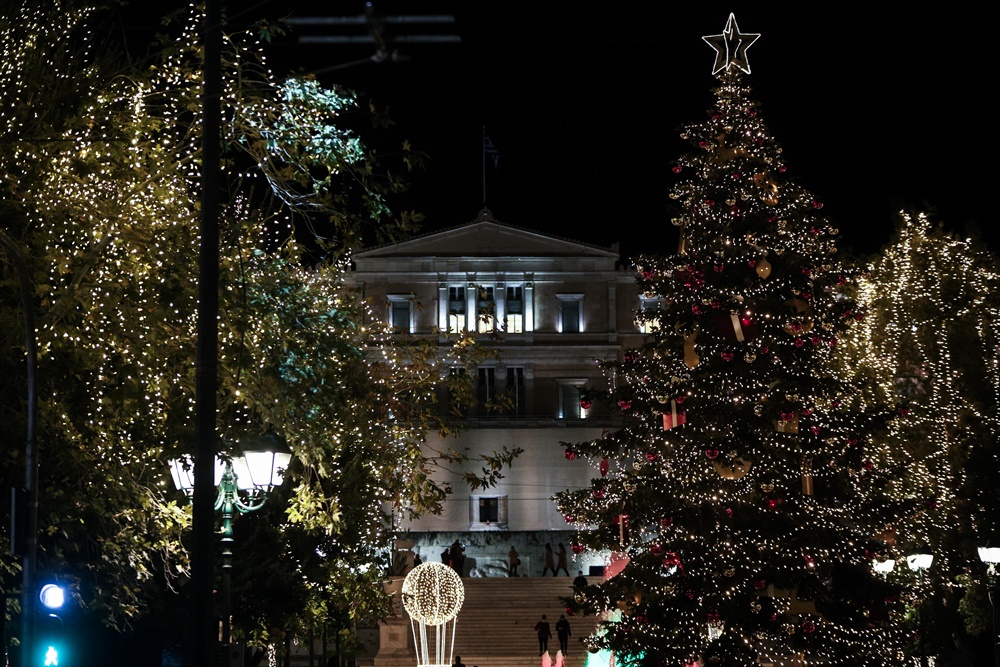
[876,110]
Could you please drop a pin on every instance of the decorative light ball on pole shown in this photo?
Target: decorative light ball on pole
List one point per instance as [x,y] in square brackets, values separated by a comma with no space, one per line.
[432,595]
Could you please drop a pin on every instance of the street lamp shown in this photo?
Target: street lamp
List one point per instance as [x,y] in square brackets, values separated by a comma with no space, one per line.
[991,556]
[244,483]
[883,567]
[919,562]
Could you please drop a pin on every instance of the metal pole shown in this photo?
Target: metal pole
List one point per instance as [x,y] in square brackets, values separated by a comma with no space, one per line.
[30,526]
[991,588]
[227,493]
[206,371]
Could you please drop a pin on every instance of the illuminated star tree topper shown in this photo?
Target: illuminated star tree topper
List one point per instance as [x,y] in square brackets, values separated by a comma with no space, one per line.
[731,47]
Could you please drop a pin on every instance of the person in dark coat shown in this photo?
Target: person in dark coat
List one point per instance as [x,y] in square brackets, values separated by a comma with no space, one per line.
[550,561]
[580,582]
[562,631]
[458,557]
[544,632]
[514,559]
[562,565]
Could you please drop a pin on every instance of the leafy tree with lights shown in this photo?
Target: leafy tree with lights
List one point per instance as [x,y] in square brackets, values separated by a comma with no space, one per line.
[101,189]
[931,344]
[744,497]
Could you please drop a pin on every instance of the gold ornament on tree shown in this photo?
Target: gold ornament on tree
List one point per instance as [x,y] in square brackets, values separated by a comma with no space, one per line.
[735,468]
[763,267]
[801,322]
[768,188]
[691,358]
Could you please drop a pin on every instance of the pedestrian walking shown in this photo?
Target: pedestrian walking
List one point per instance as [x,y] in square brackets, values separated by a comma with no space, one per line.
[514,559]
[562,565]
[562,631]
[544,632]
[458,557]
[550,561]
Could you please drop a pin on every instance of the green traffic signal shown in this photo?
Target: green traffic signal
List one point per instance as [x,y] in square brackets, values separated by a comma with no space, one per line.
[50,631]
[50,641]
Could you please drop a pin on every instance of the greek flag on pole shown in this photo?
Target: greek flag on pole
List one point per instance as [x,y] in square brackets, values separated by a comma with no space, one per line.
[489,150]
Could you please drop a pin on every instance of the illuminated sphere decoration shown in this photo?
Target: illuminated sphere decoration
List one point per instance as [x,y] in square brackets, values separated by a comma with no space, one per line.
[433,593]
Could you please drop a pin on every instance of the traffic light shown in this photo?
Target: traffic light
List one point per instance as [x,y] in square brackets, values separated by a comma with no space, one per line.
[51,644]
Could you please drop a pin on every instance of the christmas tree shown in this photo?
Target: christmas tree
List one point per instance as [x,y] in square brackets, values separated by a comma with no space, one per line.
[743,497]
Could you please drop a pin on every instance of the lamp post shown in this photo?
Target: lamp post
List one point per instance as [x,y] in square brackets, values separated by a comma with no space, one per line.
[991,556]
[918,562]
[25,500]
[243,483]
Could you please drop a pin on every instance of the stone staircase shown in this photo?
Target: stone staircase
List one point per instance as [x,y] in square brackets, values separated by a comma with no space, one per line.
[495,625]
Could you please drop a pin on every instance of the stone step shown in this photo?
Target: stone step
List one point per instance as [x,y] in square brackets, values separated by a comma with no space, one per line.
[496,624]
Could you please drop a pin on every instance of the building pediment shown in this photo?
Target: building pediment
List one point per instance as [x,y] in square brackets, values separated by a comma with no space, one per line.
[485,237]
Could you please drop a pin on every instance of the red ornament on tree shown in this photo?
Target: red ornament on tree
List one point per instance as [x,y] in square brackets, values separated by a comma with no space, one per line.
[672,559]
[603,467]
[577,549]
[585,403]
[569,454]
[624,404]
[712,453]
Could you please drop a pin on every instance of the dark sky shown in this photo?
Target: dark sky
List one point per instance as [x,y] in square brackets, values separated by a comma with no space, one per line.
[876,110]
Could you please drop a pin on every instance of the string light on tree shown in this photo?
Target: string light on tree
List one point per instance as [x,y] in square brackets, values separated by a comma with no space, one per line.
[752,485]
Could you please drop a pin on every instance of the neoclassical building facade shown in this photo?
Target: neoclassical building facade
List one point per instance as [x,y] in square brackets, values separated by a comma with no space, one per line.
[557,307]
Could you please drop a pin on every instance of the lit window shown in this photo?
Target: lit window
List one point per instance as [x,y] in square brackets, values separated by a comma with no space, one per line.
[485,310]
[456,308]
[486,385]
[515,389]
[488,511]
[650,309]
[400,313]
[570,312]
[570,406]
[514,310]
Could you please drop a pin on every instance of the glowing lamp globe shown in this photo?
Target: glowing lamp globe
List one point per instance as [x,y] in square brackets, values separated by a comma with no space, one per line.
[919,561]
[432,593]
